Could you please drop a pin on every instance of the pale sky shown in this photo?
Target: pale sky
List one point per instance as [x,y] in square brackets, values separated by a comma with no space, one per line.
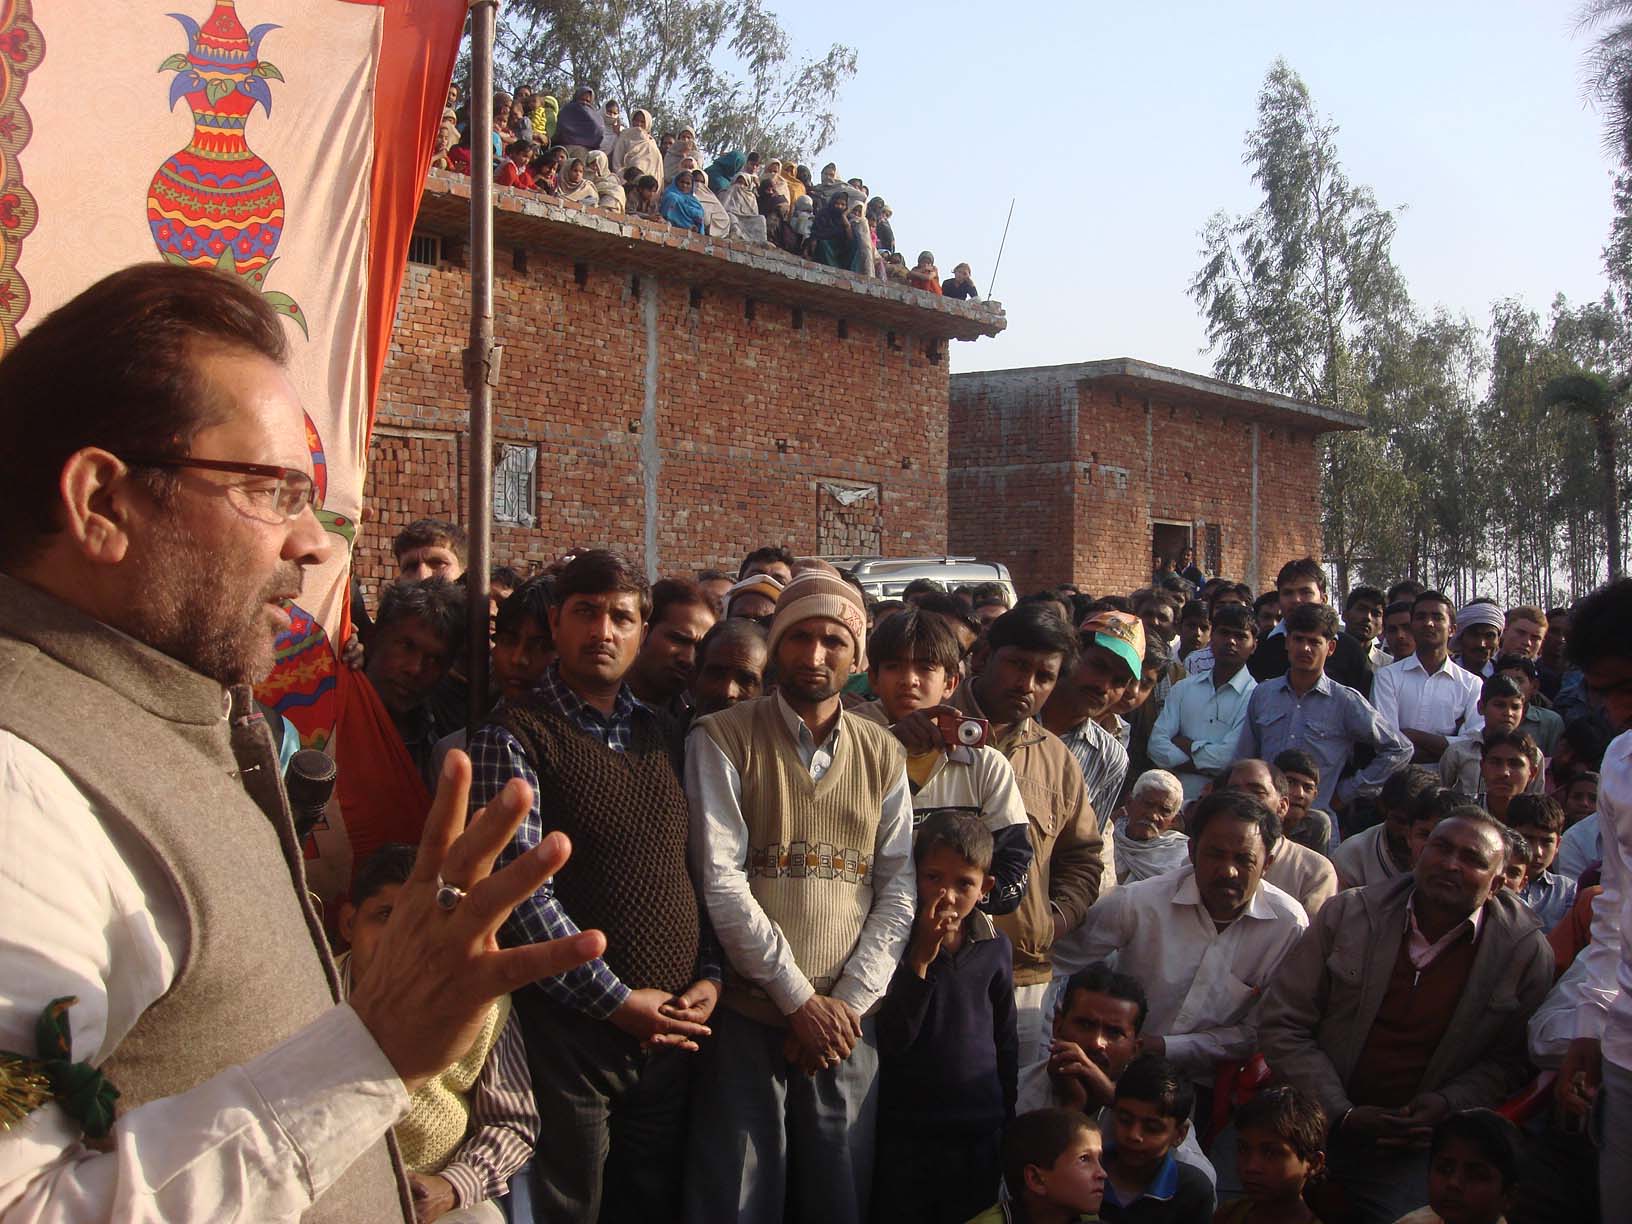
[1118,130]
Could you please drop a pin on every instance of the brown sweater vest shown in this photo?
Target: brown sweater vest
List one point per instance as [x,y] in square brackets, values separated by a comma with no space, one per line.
[627,817]
[810,843]
[166,761]
[1410,1024]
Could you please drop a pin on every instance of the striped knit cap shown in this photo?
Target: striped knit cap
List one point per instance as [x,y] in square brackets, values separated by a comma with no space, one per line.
[818,590]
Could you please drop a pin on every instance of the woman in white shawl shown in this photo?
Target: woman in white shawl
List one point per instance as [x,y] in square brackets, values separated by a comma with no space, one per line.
[635,147]
[716,221]
[1147,844]
[741,199]
[684,146]
[606,184]
[773,191]
[575,187]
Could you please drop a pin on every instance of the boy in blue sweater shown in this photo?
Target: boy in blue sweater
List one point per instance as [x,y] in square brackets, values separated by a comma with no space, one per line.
[948,1053]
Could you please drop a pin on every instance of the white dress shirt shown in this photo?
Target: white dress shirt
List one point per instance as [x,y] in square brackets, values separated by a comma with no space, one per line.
[1445,702]
[1205,986]
[1210,716]
[1607,990]
[755,945]
[90,912]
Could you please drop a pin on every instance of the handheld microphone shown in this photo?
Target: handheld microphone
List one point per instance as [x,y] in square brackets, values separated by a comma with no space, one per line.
[309,781]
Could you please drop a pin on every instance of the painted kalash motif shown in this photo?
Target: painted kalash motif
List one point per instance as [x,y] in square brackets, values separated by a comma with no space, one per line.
[217,204]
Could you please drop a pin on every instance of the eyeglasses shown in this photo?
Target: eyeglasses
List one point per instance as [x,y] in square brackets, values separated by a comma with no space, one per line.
[286,500]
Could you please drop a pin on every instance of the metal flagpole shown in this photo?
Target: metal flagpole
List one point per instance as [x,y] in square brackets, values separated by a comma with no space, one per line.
[991,285]
[481,358]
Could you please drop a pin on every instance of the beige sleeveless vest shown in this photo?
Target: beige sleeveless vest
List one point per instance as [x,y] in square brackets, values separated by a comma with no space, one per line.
[165,754]
[810,844]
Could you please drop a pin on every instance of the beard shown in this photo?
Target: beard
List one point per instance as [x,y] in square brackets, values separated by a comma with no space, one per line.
[200,608]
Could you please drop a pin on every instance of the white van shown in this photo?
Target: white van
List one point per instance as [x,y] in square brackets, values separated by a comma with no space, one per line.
[887,577]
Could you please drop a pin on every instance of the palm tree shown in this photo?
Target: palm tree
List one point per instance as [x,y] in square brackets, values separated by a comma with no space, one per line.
[1609,69]
[1594,397]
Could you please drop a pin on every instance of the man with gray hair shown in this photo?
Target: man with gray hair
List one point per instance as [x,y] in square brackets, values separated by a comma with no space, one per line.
[1148,840]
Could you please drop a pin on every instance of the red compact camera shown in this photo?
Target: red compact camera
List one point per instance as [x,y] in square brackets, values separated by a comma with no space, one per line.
[961,731]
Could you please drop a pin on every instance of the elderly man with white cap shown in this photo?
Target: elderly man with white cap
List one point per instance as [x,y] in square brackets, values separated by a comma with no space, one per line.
[1479,628]
[802,836]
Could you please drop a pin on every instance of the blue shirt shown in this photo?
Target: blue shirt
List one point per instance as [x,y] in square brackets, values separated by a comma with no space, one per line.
[1550,897]
[1210,716]
[1327,722]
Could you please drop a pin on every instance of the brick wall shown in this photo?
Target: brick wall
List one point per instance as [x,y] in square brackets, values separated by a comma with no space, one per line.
[1064,478]
[759,411]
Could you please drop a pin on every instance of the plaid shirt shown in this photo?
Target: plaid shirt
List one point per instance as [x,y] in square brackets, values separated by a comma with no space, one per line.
[496,757]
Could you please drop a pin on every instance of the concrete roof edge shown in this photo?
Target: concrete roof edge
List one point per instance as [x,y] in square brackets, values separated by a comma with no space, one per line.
[620,239]
[1131,369]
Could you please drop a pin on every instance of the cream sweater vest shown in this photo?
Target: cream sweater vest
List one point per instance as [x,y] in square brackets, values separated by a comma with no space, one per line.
[810,844]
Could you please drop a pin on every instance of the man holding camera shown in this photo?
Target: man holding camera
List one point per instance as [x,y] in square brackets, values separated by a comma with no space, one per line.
[802,838]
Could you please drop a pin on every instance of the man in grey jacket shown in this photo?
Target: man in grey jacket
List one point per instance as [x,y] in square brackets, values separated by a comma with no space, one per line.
[1406,1001]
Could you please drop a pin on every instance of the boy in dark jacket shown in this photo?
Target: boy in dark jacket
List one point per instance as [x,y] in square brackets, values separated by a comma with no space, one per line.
[948,1051]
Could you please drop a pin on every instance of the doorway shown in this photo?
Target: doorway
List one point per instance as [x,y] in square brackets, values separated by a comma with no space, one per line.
[1168,540]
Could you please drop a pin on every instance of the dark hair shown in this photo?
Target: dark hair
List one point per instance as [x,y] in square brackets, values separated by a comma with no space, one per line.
[714,575]
[1597,624]
[1500,686]
[915,635]
[1402,788]
[1538,811]
[959,832]
[732,628]
[1108,603]
[1267,598]
[599,572]
[1512,739]
[1518,662]
[1100,978]
[436,601]
[952,607]
[647,183]
[1297,761]
[1149,598]
[1405,590]
[1432,596]
[118,368]
[1395,608]
[1291,1115]
[1153,1079]
[1033,627]
[1040,1138]
[1238,617]
[1585,775]
[987,593]
[1195,610]
[1313,618]
[1490,1134]
[431,533]
[1368,593]
[1435,804]
[1230,804]
[923,586]
[1588,740]
[392,863]
[680,593]
[1303,567]
[1277,777]
[771,552]
[518,146]
[1156,653]
[505,575]
[531,599]
[1515,848]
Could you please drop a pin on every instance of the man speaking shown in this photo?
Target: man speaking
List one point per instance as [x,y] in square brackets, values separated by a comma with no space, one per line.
[157,495]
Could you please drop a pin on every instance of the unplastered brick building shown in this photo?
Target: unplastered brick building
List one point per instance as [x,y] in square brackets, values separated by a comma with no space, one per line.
[679,398]
[1085,472]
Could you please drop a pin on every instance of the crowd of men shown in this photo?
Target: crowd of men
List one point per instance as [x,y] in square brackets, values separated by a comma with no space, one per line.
[755,898]
[586,153]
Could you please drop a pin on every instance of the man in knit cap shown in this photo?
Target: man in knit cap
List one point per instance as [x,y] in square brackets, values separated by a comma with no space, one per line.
[802,834]
[611,1044]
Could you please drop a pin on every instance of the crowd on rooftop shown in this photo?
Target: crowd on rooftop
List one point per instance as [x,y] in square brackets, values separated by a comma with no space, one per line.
[586,152]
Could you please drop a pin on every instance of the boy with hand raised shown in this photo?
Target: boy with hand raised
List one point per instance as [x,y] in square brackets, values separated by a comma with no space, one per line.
[949,1054]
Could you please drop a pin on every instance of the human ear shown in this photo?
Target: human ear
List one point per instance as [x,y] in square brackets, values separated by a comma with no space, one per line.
[97,504]
[986,886]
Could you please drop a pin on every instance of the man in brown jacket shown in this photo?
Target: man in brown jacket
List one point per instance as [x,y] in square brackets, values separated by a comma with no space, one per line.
[1404,1002]
[1019,661]
[157,491]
